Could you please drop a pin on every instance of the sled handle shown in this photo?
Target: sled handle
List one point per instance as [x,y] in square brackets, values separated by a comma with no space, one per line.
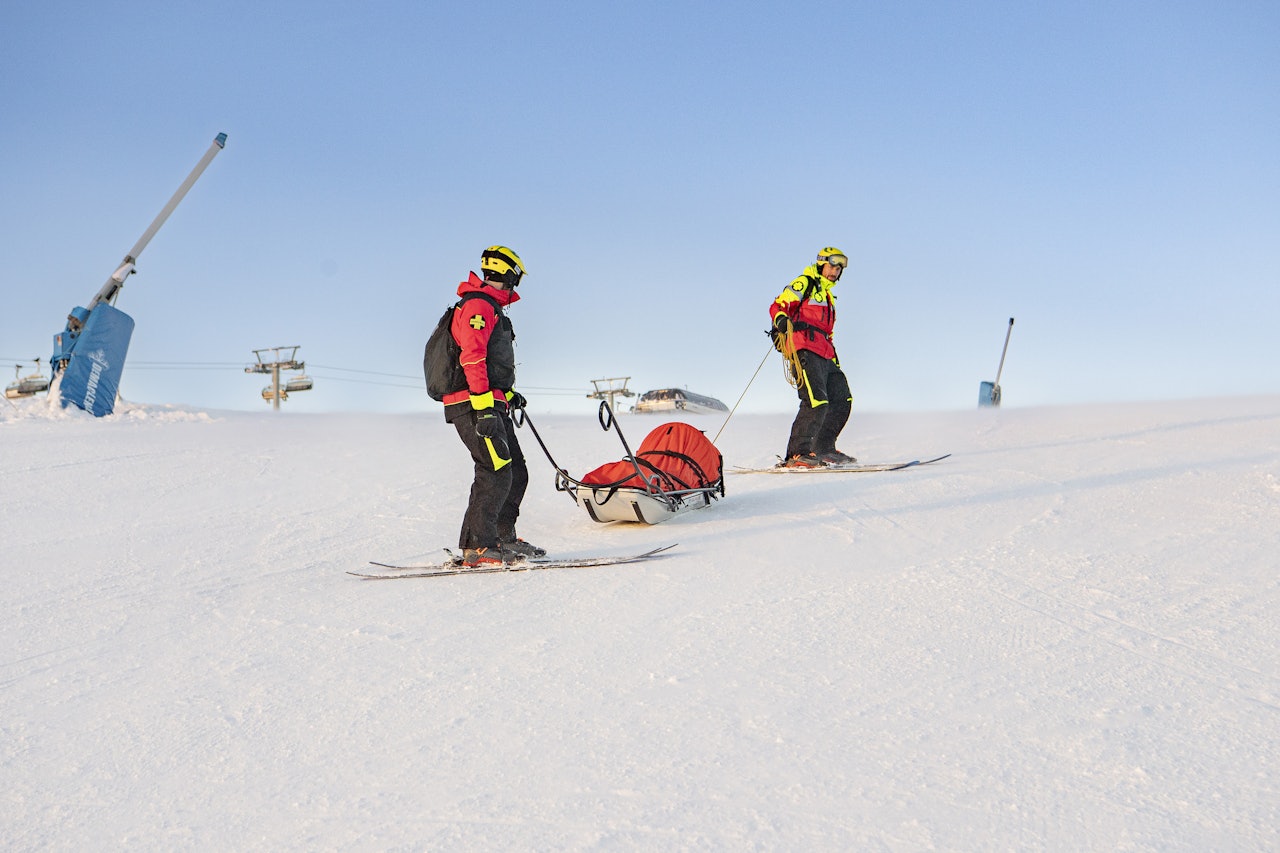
[607,420]
[520,418]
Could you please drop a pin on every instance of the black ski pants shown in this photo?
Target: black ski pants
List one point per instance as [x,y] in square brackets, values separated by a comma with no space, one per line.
[496,493]
[825,402]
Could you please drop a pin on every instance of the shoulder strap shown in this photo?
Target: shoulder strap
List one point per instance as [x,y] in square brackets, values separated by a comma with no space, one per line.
[486,297]
[799,325]
[808,291]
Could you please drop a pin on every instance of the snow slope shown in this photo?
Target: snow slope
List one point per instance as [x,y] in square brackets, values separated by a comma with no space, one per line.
[1063,637]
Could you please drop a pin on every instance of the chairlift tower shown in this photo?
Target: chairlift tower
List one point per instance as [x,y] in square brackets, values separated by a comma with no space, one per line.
[274,392]
[607,389]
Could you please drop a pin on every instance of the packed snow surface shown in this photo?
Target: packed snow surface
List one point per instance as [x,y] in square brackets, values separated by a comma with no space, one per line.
[1063,637]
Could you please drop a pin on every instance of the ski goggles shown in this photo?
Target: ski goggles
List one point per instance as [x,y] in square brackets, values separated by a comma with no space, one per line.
[835,260]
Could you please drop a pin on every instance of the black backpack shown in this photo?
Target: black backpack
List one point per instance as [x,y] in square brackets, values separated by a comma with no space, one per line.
[441,360]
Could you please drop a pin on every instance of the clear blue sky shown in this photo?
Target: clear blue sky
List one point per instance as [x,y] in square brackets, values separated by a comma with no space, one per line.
[1106,172]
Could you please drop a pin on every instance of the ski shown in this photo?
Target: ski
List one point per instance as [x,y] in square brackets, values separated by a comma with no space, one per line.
[842,469]
[454,566]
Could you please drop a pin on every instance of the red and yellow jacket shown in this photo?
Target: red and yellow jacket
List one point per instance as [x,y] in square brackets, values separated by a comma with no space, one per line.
[486,339]
[811,307]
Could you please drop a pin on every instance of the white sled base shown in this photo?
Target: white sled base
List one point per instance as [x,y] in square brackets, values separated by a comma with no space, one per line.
[627,504]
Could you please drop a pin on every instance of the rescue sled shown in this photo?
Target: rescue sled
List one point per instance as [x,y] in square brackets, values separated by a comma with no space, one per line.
[676,469]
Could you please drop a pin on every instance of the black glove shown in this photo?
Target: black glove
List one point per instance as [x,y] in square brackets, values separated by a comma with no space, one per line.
[782,323]
[489,424]
[516,400]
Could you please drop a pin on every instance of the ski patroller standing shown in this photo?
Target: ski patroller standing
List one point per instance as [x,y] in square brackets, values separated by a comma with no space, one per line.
[481,411]
[804,316]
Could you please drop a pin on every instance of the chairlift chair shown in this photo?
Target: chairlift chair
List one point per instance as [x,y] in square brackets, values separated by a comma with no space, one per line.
[26,386]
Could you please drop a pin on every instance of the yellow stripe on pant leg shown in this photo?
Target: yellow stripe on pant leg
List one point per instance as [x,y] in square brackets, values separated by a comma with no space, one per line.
[498,461]
[813,404]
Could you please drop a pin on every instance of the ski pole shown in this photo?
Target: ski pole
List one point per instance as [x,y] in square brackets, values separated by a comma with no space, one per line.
[743,394]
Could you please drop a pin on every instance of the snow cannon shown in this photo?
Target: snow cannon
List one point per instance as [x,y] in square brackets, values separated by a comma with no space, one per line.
[88,355]
[989,392]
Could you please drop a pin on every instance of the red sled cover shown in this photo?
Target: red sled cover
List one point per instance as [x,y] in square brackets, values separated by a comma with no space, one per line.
[675,457]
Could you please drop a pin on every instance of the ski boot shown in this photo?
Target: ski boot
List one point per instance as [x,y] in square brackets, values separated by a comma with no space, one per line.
[496,556]
[509,541]
[523,548]
[803,460]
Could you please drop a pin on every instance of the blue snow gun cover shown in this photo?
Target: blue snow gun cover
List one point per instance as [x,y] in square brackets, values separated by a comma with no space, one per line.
[988,394]
[92,377]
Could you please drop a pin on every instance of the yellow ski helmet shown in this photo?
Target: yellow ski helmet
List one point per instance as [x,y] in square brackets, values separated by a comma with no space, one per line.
[835,257]
[501,264]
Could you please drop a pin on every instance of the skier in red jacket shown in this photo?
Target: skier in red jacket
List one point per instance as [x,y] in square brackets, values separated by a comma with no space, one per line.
[803,317]
[481,411]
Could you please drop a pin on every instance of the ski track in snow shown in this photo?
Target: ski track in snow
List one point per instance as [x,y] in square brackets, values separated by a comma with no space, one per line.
[1063,637]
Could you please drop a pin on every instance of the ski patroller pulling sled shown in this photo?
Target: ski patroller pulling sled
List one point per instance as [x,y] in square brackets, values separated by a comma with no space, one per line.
[676,469]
